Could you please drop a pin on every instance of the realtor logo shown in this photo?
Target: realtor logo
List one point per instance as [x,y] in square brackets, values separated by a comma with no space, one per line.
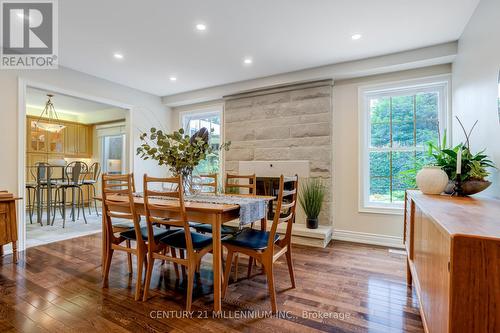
[28,34]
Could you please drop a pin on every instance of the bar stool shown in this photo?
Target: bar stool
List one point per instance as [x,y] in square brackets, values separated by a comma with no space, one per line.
[94,172]
[44,183]
[31,194]
[73,174]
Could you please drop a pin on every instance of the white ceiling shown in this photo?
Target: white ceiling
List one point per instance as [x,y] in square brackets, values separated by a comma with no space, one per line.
[37,98]
[158,37]
[72,108]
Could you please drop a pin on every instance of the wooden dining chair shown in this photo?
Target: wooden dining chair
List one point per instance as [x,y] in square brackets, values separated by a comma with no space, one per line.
[237,183]
[173,214]
[266,247]
[206,183]
[118,203]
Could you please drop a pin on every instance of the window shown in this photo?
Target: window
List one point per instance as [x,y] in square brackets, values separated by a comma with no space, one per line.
[112,148]
[397,122]
[210,119]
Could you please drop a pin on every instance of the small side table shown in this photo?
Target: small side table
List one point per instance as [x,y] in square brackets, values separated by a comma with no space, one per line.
[8,225]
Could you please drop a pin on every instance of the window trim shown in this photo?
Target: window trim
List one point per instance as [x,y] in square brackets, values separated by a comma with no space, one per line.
[443,82]
[206,110]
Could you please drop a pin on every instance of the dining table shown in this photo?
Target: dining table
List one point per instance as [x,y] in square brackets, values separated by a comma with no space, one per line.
[214,214]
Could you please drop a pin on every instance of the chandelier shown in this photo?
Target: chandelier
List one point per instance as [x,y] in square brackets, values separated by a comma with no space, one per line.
[50,122]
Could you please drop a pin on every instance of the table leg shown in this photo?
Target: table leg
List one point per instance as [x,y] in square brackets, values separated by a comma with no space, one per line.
[73,193]
[104,243]
[217,261]
[14,252]
[38,195]
[263,224]
[49,199]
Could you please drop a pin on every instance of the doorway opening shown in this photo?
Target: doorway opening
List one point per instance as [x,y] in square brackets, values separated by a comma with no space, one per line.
[66,152]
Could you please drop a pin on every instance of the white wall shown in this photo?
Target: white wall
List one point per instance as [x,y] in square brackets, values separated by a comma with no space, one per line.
[147,111]
[348,223]
[475,88]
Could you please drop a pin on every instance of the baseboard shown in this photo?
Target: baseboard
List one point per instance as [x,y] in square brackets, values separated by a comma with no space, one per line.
[367,238]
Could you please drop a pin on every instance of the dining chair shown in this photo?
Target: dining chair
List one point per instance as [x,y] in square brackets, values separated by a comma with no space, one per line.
[236,183]
[232,185]
[195,245]
[245,185]
[260,245]
[90,180]
[206,183]
[118,203]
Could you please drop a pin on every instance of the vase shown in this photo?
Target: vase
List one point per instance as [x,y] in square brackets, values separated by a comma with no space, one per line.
[432,180]
[312,223]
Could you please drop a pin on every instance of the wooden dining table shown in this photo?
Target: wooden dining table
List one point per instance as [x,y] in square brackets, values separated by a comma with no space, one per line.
[211,213]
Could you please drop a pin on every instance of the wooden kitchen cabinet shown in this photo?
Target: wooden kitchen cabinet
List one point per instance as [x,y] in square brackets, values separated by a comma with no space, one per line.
[36,138]
[71,140]
[84,141]
[55,142]
[75,140]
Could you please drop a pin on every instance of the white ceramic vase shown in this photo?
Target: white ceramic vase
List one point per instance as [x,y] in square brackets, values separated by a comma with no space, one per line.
[432,180]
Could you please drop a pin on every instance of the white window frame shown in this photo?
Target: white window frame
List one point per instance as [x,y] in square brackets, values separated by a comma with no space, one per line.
[207,110]
[440,82]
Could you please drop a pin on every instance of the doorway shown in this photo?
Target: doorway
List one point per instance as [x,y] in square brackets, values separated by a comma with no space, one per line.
[47,215]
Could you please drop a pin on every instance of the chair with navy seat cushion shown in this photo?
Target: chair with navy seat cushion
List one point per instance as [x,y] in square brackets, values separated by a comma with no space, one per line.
[167,208]
[251,239]
[178,240]
[118,203]
[266,247]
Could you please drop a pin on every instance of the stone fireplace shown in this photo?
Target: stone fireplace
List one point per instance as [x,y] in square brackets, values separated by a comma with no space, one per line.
[283,130]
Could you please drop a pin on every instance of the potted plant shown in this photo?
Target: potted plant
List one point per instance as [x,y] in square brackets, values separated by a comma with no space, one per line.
[180,152]
[311,198]
[473,169]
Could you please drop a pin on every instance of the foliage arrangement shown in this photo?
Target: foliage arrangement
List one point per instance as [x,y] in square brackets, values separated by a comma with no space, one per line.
[180,152]
[311,197]
[474,166]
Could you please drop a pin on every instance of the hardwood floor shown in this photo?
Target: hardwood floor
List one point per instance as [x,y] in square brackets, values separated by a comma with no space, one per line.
[354,288]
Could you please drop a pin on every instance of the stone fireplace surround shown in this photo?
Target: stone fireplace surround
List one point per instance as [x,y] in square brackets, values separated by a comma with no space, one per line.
[284,129]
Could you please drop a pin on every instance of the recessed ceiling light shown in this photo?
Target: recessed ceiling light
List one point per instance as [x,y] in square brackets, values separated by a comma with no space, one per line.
[118,55]
[356,36]
[247,61]
[173,78]
[201,27]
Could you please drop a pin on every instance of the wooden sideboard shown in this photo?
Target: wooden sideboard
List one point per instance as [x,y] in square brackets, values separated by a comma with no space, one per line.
[453,261]
[8,225]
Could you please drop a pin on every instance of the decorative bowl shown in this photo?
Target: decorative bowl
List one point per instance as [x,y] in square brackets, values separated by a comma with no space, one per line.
[471,187]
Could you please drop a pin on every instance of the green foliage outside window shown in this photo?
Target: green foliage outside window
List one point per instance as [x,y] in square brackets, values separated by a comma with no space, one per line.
[400,128]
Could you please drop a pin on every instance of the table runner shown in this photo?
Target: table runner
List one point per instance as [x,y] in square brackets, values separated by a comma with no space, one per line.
[251,209]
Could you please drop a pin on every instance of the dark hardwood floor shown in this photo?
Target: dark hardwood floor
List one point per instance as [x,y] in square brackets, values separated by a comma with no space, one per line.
[343,288]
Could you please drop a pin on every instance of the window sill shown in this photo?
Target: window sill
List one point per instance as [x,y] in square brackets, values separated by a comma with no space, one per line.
[385,210]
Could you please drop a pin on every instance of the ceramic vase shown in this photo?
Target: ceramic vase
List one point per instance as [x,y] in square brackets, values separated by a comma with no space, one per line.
[432,180]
